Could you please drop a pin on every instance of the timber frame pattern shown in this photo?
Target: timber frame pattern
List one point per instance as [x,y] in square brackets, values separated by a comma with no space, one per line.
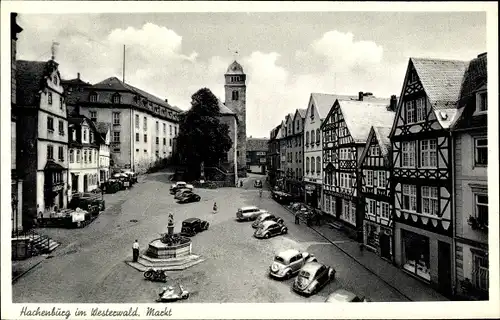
[438,176]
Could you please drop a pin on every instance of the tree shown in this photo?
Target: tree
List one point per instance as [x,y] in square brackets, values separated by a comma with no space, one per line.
[202,137]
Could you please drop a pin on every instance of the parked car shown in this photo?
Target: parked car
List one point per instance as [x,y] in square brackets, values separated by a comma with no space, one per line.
[288,263]
[266,217]
[132,175]
[84,200]
[249,213]
[181,192]
[113,185]
[192,226]
[312,277]
[342,295]
[179,185]
[124,179]
[270,229]
[257,184]
[189,197]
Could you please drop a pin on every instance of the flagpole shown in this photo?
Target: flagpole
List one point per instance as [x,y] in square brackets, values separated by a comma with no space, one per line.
[123,63]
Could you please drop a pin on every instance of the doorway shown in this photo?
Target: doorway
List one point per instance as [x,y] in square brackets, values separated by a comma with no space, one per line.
[85,183]
[444,267]
[385,245]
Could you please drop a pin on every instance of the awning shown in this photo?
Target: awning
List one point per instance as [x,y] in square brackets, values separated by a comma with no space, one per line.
[51,165]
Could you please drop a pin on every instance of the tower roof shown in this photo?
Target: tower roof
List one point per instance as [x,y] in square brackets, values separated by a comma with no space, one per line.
[235,68]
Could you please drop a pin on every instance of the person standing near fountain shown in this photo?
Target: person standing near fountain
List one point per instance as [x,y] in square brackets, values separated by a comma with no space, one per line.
[170,226]
[215,207]
[135,251]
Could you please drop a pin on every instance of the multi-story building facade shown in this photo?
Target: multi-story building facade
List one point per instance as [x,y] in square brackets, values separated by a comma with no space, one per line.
[345,130]
[235,99]
[286,142]
[421,181]
[104,130]
[257,155]
[295,167]
[143,126]
[16,172]
[273,155]
[84,141]
[471,183]
[318,108]
[374,192]
[42,135]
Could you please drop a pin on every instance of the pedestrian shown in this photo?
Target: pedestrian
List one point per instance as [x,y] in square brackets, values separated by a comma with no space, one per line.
[297,220]
[135,251]
[215,207]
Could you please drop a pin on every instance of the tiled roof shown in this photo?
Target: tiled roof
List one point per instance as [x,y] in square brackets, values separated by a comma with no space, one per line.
[115,84]
[302,112]
[441,80]
[324,102]
[235,68]
[382,134]
[29,81]
[360,116]
[256,144]
[75,81]
[103,127]
[223,109]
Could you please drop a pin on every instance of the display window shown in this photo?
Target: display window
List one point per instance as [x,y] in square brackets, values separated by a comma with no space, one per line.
[416,254]
[371,235]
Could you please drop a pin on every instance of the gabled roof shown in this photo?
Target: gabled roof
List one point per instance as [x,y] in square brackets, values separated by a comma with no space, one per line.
[223,109]
[360,116]
[256,144]
[79,119]
[103,127]
[382,134]
[76,81]
[441,80]
[302,112]
[114,83]
[324,102]
[30,79]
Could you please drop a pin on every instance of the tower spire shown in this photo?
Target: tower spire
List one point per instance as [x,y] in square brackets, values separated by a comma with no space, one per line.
[53,49]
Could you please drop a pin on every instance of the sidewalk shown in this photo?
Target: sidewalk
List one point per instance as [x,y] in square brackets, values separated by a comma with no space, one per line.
[406,285]
[21,267]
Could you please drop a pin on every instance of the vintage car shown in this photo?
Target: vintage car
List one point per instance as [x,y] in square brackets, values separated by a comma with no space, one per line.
[270,229]
[189,197]
[342,295]
[312,277]
[281,197]
[172,294]
[288,263]
[257,184]
[191,226]
[124,179]
[131,175]
[266,217]
[179,185]
[112,185]
[249,213]
[85,200]
[181,192]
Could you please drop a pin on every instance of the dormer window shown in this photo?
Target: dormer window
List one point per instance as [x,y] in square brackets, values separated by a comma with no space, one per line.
[482,101]
[116,99]
[93,97]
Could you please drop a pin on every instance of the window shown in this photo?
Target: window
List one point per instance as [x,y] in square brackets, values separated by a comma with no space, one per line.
[90,155]
[430,200]
[157,126]
[235,95]
[71,156]
[385,210]
[61,128]
[420,106]
[409,197]
[49,98]
[85,156]
[410,111]
[375,150]
[50,152]
[165,128]
[369,178]
[145,138]
[481,151]
[170,142]
[50,124]
[137,121]
[371,207]
[93,97]
[480,271]
[93,116]
[307,139]
[175,130]
[409,154]
[482,102]
[116,118]
[318,165]
[60,103]
[157,140]
[481,204]
[164,141]
[428,154]
[116,98]
[307,164]
[170,126]
[78,156]
[116,136]
[312,137]
[55,80]
[85,135]
[145,123]
[312,165]
[137,137]
[382,179]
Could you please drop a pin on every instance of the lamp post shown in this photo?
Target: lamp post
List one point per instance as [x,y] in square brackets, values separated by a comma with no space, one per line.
[14,212]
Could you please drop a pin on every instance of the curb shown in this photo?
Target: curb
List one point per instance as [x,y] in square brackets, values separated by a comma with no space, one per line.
[353,258]
[28,270]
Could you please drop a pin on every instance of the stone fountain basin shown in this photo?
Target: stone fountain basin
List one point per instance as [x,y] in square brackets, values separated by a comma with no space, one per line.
[160,250]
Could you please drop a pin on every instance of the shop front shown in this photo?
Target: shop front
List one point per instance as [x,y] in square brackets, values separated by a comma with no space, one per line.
[378,238]
[313,195]
[415,254]
[53,190]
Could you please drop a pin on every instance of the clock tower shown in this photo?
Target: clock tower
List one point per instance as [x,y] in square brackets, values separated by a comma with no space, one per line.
[235,90]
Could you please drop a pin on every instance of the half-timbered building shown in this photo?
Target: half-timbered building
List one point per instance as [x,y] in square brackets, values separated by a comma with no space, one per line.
[295,167]
[471,184]
[421,180]
[374,189]
[345,131]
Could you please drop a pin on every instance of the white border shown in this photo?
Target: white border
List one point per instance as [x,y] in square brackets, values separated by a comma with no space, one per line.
[252,311]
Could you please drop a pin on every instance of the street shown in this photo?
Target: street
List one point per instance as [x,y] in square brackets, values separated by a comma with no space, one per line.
[89,266]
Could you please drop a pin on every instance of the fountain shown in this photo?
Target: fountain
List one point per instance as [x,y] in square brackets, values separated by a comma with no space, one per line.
[171,251]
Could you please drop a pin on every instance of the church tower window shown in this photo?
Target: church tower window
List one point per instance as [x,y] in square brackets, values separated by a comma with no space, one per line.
[235,95]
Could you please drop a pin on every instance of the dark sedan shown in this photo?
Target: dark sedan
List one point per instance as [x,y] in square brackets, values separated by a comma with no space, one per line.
[270,229]
[257,184]
[192,226]
[189,197]
[313,276]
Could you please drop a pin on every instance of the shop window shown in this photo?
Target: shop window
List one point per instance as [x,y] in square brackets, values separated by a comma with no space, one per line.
[371,235]
[416,254]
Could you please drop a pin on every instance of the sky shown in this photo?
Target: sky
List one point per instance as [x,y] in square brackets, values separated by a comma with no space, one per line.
[286,56]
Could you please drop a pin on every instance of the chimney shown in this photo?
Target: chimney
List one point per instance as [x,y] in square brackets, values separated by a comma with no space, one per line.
[78,75]
[393,103]
[360,96]
[166,100]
